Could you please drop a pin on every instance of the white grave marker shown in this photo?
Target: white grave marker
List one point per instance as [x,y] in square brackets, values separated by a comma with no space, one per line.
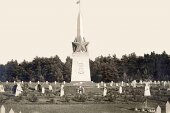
[36,87]
[2,109]
[62,91]
[11,111]
[43,90]
[122,83]
[167,107]
[46,82]
[18,89]
[104,85]
[111,83]
[101,83]
[50,87]
[98,85]
[2,88]
[105,91]
[158,109]
[120,89]
[147,90]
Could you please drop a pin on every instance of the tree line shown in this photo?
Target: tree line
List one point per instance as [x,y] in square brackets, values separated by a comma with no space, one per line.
[104,68]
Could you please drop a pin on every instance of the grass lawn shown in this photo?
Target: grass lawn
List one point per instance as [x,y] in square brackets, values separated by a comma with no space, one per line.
[73,108]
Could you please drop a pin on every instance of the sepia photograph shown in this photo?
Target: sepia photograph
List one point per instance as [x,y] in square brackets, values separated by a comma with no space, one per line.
[84,56]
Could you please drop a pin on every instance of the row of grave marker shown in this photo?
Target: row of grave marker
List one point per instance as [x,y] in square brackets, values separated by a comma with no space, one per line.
[158,109]
[3,110]
[19,89]
[30,82]
[133,83]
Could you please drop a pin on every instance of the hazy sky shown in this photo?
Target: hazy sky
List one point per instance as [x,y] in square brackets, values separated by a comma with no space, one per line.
[44,28]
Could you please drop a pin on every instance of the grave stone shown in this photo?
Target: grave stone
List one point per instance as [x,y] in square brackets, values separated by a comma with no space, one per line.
[46,82]
[127,84]
[11,111]
[158,109]
[122,83]
[98,85]
[140,82]
[155,82]
[43,90]
[81,83]
[133,83]
[111,83]
[158,82]
[120,89]
[50,87]
[104,85]
[101,83]
[147,90]
[105,91]
[55,82]
[2,109]
[18,89]
[6,82]
[36,87]
[30,82]
[136,109]
[167,107]
[62,91]
[2,88]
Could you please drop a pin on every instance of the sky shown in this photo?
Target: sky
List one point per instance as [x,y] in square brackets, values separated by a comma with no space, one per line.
[45,28]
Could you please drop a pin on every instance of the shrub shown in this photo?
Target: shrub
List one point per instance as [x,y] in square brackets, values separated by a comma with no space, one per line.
[110,97]
[25,86]
[66,98]
[18,98]
[2,98]
[24,93]
[7,88]
[80,98]
[98,98]
[33,98]
[52,101]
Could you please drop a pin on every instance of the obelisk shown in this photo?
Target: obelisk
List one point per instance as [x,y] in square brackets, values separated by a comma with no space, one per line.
[80,55]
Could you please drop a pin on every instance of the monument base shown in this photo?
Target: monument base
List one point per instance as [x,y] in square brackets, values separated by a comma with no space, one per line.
[80,67]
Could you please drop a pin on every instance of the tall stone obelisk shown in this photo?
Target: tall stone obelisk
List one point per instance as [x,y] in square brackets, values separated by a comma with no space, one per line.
[80,56]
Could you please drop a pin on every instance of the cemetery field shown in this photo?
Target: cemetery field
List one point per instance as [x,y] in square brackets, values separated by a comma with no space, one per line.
[91,101]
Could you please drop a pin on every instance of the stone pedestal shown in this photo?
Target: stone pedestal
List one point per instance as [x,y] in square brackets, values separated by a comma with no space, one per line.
[80,67]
